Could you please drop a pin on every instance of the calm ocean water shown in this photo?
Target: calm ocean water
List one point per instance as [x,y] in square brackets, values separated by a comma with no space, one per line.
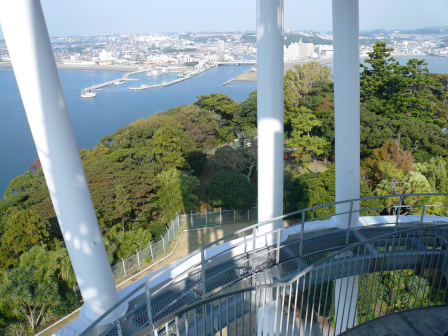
[114,107]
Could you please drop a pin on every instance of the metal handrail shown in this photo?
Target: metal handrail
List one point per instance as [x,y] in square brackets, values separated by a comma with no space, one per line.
[255,236]
[160,323]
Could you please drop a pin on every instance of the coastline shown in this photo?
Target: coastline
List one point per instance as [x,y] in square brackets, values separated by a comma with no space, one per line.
[131,68]
[324,61]
[122,68]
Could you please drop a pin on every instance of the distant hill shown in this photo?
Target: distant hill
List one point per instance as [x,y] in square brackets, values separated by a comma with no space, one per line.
[422,31]
[427,31]
[291,38]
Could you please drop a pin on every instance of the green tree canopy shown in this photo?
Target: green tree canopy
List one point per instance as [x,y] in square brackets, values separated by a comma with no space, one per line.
[231,189]
[242,159]
[300,82]
[435,171]
[28,293]
[218,103]
[176,193]
[313,189]
[402,91]
[25,230]
[248,112]
[305,144]
[167,149]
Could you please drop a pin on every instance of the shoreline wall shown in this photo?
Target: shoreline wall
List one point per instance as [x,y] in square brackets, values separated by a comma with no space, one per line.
[130,68]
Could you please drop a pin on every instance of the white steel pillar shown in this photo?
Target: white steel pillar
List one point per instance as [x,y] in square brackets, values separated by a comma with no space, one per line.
[270,106]
[29,46]
[270,102]
[347,142]
[346,303]
[346,105]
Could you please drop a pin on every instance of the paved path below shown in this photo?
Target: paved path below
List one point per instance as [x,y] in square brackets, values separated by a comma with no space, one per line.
[428,321]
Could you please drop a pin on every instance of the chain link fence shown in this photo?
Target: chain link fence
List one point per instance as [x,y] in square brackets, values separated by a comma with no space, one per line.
[192,220]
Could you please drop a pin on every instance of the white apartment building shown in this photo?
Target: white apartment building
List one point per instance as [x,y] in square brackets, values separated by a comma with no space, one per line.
[105,56]
[221,45]
[324,50]
[298,51]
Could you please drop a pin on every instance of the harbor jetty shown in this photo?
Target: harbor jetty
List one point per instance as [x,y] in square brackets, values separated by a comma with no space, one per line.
[88,92]
[248,76]
[188,76]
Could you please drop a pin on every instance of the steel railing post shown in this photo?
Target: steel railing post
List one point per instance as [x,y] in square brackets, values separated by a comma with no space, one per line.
[204,289]
[349,223]
[138,259]
[248,214]
[278,246]
[234,216]
[206,220]
[254,243]
[124,267]
[152,254]
[120,333]
[191,218]
[423,214]
[168,234]
[302,232]
[220,215]
[148,302]
[163,242]
[398,213]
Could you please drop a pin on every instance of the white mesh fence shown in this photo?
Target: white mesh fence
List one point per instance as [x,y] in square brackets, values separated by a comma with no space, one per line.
[153,251]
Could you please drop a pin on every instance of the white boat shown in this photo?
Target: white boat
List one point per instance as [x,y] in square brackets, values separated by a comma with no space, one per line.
[148,74]
[144,86]
[87,94]
[118,83]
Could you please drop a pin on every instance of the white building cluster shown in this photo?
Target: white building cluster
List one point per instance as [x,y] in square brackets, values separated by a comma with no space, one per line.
[299,51]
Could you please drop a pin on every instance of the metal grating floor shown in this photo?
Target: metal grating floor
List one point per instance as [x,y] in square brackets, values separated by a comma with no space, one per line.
[236,272]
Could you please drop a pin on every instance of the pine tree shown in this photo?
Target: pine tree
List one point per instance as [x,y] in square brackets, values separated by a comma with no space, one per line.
[167,149]
[306,145]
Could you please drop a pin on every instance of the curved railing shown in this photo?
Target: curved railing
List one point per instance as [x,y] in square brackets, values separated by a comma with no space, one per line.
[388,273]
[261,252]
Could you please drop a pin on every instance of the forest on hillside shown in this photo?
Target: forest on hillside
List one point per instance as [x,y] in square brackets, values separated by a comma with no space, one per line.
[144,173]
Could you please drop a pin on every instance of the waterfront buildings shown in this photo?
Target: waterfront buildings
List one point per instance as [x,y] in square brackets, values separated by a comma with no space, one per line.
[299,51]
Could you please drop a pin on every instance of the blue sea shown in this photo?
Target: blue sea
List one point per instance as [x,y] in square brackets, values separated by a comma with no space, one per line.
[114,107]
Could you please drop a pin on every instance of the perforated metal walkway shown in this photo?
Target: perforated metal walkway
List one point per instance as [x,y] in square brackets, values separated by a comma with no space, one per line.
[428,321]
[271,267]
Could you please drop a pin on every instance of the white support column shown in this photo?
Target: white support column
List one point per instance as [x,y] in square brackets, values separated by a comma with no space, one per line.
[270,104]
[25,31]
[347,141]
[346,303]
[347,105]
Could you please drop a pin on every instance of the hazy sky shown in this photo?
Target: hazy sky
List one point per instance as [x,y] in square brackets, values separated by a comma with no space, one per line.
[90,17]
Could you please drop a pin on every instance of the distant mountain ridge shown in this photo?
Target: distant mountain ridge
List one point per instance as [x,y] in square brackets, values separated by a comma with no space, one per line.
[422,31]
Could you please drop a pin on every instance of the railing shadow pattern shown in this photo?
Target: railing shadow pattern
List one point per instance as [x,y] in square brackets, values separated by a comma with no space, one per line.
[237,274]
[392,272]
[160,246]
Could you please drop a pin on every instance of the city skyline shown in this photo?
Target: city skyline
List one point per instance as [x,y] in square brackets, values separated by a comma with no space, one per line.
[140,16]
